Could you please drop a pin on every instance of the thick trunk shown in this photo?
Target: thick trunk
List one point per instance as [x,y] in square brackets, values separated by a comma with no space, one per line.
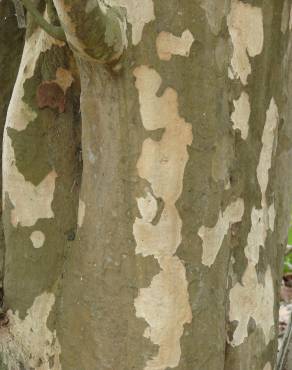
[183,207]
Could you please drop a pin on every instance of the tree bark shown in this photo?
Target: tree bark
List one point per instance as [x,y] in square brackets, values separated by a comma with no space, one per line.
[11,44]
[174,259]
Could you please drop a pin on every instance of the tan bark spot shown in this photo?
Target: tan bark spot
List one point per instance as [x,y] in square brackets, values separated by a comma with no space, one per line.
[245,24]
[213,237]
[64,78]
[167,44]
[240,116]
[37,238]
[165,303]
[29,341]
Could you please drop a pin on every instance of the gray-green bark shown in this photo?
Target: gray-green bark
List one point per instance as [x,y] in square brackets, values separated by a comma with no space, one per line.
[11,44]
[185,191]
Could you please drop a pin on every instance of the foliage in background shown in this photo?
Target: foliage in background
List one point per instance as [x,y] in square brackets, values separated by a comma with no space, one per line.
[288,258]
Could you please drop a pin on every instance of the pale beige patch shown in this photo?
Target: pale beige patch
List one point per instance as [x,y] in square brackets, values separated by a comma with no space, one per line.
[81,212]
[165,303]
[160,239]
[272,216]
[147,207]
[29,341]
[252,300]
[165,306]
[240,116]
[268,141]
[167,44]
[139,13]
[245,24]
[213,237]
[257,235]
[268,366]
[37,238]
[290,19]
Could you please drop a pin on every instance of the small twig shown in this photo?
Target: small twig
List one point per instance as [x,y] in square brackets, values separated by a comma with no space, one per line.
[54,31]
[282,354]
[19,11]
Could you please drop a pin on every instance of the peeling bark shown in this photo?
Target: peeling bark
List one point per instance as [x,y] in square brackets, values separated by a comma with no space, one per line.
[170,255]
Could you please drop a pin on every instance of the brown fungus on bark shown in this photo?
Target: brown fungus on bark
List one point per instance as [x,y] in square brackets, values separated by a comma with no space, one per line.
[51,95]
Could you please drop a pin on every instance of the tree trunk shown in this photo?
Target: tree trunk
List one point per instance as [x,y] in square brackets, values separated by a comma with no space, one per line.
[174,258]
[11,44]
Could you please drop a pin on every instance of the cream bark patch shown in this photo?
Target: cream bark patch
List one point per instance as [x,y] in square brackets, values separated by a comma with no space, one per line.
[165,303]
[167,44]
[251,299]
[165,306]
[213,237]
[240,116]
[245,24]
[37,238]
[81,212]
[268,141]
[139,13]
[268,366]
[30,341]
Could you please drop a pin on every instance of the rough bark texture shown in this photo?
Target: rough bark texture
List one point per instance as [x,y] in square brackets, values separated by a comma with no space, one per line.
[185,193]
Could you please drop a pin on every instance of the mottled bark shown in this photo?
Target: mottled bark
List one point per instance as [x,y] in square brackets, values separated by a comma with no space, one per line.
[11,44]
[185,194]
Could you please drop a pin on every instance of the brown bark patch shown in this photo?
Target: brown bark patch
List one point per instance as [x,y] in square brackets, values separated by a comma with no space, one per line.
[51,95]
